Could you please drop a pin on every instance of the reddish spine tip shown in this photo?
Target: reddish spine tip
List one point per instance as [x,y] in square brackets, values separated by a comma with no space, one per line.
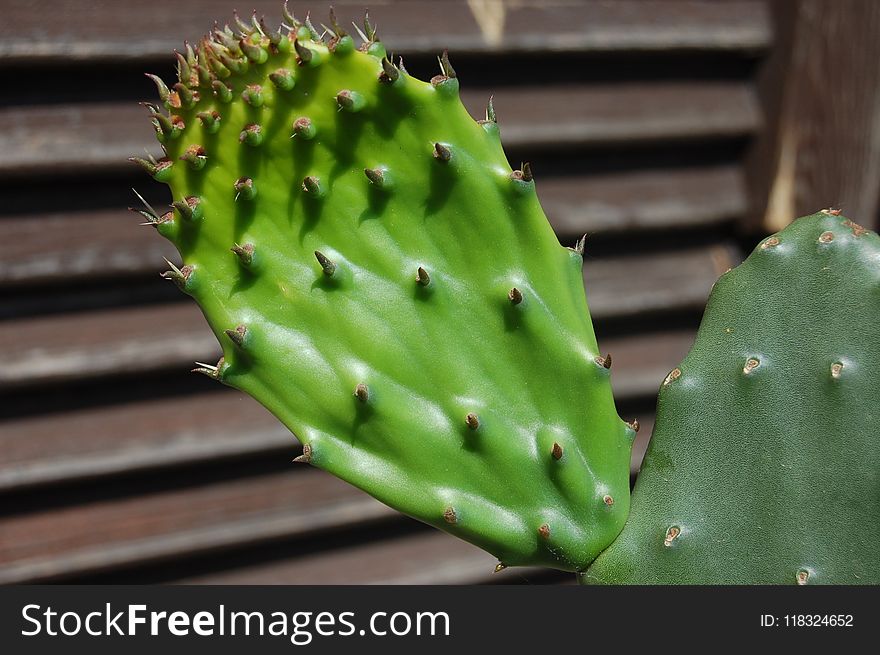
[222,92]
[283,79]
[422,277]
[161,87]
[306,456]
[350,101]
[490,111]
[312,186]
[327,266]
[442,153]
[245,253]
[303,53]
[251,135]
[377,177]
[189,208]
[304,128]
[186,97]
[390,72]
[253,51]
[237,335]
[180,276]
[210,120]
[195,156]
[253,95]
[244,188]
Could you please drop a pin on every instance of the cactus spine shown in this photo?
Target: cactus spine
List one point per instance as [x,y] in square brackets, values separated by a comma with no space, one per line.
[387,286]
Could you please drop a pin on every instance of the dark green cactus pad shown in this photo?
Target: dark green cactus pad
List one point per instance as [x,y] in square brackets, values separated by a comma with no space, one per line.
[387,286]
[764,466]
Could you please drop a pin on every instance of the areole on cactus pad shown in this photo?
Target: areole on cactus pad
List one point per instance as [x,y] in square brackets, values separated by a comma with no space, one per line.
[389,288]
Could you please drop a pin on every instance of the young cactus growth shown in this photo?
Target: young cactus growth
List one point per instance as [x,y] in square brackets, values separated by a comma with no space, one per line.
[763,464]
[383,282]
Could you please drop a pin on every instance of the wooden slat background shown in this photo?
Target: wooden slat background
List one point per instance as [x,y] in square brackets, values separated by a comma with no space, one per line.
[117,465]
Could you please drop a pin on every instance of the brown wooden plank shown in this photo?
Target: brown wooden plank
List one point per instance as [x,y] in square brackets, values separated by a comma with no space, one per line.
[104,535]
[87,138]
[622,287]
[114,31]
[617,114]
[59,349]
[110,342]
[63,248]
[130,437]
[661,199]
[424,558]
[66,248]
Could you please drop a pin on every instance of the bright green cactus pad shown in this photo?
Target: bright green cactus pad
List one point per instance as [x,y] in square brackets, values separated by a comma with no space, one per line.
[764,466]
[385,284]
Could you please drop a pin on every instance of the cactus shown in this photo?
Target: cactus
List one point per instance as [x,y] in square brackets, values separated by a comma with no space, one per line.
[384,283]
[763,467]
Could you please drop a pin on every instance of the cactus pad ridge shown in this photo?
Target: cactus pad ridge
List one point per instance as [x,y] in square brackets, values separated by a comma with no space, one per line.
[393,294]
[763,464]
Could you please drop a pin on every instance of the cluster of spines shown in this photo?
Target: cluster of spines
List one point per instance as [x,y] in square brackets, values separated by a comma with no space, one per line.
[201,71]
[223,52]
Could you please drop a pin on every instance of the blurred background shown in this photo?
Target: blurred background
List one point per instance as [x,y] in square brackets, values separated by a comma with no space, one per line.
[674,133]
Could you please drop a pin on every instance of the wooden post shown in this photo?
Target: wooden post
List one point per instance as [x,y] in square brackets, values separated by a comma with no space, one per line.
[821,95]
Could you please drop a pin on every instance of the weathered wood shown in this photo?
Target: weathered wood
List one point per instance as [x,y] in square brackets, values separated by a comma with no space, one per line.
[120,439]
[107,244]
[620,114]
[666,281]
[135,31]
[822,148]
[661,199]
[91,138]
[51,350]
[62,349]
[423,558]
[108,534]
[79,246]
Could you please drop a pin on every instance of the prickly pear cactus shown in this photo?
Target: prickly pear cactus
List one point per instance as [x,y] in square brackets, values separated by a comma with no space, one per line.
[387,286]
[765,463]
